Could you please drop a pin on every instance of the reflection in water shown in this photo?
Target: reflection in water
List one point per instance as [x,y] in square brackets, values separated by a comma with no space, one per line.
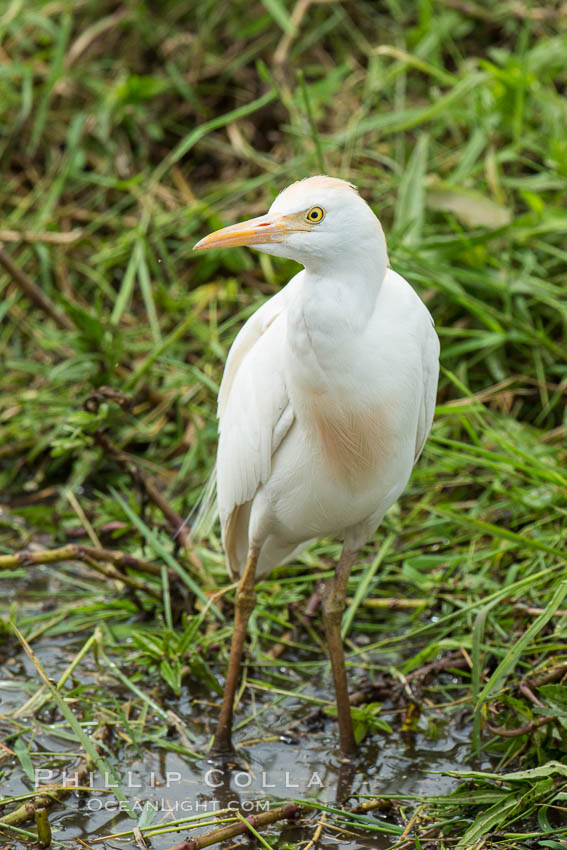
[177,786]
[171,784]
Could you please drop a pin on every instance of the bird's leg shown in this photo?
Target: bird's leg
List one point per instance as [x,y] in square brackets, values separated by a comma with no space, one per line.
[245,601]
[333,607]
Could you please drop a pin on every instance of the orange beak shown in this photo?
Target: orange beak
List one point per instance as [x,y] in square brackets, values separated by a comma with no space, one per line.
[272,227]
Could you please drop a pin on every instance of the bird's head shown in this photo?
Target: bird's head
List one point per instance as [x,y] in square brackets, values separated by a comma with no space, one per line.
[320,222]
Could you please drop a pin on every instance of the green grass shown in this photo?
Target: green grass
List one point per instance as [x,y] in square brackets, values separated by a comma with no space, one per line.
[126,133]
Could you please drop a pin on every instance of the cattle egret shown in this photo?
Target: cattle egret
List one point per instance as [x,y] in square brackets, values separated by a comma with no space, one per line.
[326,402]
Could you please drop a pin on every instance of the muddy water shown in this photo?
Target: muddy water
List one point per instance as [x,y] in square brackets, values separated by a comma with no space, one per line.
[168,785]
[174,786]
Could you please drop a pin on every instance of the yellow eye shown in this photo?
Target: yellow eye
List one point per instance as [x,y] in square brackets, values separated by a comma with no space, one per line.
[315,215]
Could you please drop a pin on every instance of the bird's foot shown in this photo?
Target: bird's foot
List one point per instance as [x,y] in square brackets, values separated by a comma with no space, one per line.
[223,755]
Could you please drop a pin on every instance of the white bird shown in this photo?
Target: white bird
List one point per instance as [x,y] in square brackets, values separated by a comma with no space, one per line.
[326,402]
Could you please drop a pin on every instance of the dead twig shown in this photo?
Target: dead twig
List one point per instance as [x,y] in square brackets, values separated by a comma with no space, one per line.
[524,689]
[116,575]
[520,10]
[552,674]
[96,30]
[48,237]
[33,292]
[106,529]
[371,692]
[535,611]
[370,805]
[296,17]
[288,812]
[139,838]
[173,519]
[410,842]
[308,614]
[456,660]
[317,834]
[392,603]
[104,393]
[74,552]
[526,729]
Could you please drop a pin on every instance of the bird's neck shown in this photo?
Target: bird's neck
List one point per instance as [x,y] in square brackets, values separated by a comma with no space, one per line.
[328,320]
[339,298]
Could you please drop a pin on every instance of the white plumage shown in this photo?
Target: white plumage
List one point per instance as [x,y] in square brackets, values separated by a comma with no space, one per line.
[329,388]
[324,407]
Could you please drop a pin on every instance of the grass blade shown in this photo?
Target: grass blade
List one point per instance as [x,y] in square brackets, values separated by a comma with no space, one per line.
[163,553]
[512,656]
[408,221]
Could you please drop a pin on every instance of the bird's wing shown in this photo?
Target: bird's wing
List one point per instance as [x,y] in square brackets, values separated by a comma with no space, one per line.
[254,408]
[430,363]
[407,311]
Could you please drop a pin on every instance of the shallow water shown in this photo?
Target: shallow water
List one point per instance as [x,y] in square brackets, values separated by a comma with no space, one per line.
[174,785]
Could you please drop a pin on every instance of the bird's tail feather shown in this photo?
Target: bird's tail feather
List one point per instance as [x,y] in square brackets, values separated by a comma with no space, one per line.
[205,511]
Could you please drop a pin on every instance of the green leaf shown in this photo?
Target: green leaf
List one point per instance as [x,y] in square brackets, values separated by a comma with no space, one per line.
[136,88]
[190,634]
[505,812]
[149,644]
[214,124]
[23,755]
[280,15]
[160,550]
[201,671]
[477,639]
[408,221]
[555,694]
[147,816]
[510,659]
[359,729]
[551,768]
[91,327]
[171,674]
